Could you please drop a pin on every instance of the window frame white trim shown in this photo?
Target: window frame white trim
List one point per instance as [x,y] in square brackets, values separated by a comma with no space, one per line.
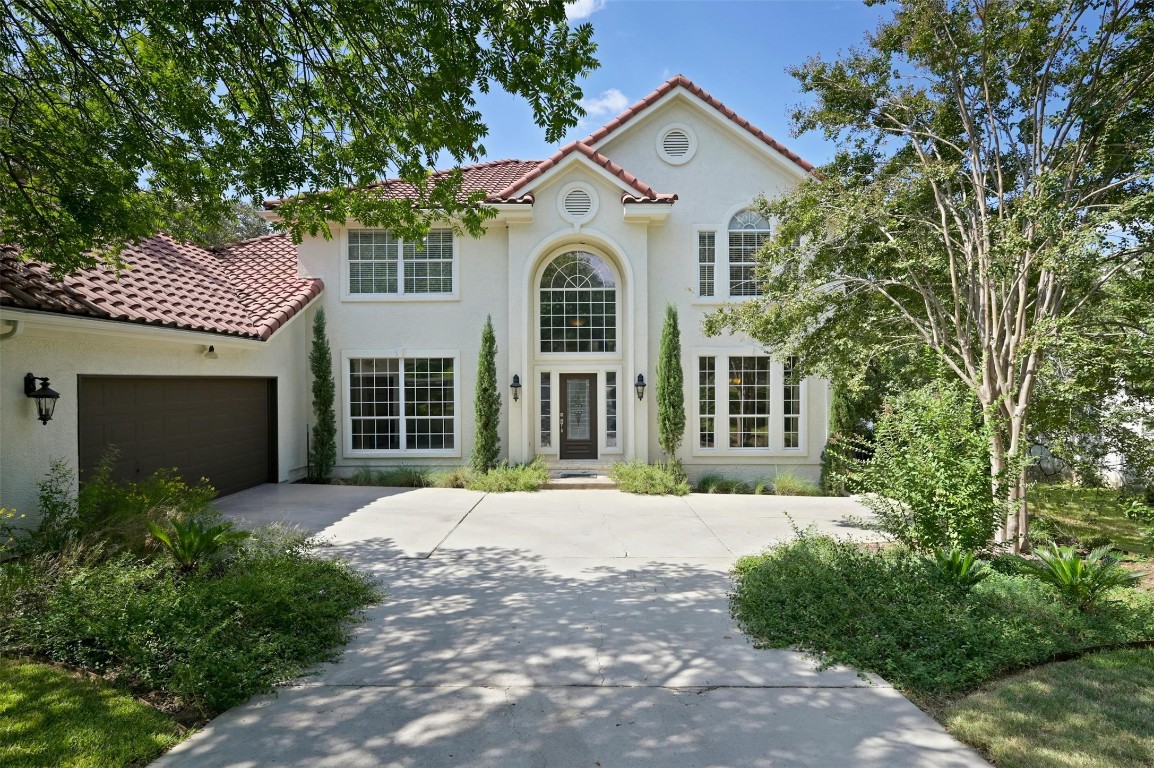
[400,354]
[348,296]
[721,448]
[555,369]
[590,359]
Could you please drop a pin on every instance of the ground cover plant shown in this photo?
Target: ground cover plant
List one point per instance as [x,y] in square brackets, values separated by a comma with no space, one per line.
[1092,712]
[502,478]
[784,483]
[505,478]
[650,479]
[887,612]
[53,717]
[198,623]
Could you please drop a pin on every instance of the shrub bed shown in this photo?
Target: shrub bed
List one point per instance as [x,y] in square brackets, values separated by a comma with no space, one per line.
[650,479]
[886,612]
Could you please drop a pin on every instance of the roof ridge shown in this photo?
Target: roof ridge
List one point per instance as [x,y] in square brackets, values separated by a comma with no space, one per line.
[647,192]
[681,81]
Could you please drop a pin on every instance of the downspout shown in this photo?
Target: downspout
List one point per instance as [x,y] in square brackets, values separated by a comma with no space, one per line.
[15,328]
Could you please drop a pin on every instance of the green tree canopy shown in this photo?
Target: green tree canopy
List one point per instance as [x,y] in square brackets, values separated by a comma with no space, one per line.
[991,200]
[117,113]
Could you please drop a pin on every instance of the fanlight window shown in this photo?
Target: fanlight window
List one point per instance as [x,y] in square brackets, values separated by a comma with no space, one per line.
[578,305]
[747,231]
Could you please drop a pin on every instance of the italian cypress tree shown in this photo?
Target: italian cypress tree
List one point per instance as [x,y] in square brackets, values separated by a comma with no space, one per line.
[670,394]
[487,443]
[324,433]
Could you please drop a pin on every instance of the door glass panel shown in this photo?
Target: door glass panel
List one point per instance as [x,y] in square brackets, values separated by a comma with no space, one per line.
[577,406]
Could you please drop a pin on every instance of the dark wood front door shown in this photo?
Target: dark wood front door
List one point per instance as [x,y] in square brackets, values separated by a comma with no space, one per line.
[578,415]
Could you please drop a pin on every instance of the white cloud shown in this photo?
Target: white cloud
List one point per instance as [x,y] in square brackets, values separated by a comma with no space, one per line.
[582,9]
[609,103]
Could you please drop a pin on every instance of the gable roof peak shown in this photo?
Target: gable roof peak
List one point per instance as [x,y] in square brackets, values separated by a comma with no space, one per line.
[685,84]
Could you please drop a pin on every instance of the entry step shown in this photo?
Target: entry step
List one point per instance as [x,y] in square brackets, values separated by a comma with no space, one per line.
[573,479]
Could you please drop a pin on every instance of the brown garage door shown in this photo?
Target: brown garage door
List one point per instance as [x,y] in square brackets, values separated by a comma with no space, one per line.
[219,428]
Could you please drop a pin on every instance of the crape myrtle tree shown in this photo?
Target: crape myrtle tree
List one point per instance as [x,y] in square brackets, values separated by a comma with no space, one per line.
[116,113]
[323,449]
[670,380]
[487,406]
[991,200]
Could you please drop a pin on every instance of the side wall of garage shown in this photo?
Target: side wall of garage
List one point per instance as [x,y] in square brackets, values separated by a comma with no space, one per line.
[69,349]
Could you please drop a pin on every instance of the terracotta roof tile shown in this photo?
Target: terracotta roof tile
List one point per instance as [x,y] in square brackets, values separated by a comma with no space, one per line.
[681,81]
[645,192]
[248,289]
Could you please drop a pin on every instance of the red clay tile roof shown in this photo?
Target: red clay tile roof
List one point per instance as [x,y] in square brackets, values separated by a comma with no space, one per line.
[645,193]
[248,289]
[487,177]
[681,81]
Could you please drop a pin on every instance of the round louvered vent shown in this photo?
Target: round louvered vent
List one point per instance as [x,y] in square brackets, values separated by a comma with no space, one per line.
[577,202]
[676,144]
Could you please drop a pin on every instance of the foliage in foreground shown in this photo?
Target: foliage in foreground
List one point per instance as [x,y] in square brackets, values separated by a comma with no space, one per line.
[928,480]
[885,612]
[211,638]
[1093,712]
[1081,581]
[1071,514]
[50,717]
[650,479]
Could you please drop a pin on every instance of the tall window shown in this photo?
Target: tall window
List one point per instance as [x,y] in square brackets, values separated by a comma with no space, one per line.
[610,409]
[747,231]
[706,261]
[791,399]
[546,410]
[749,402]
[400,404]
[578,305]
[382,263]
[707,400]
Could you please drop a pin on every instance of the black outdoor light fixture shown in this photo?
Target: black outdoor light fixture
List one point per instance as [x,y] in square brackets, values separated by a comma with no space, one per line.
[45,398]
[639,386]
[516,387]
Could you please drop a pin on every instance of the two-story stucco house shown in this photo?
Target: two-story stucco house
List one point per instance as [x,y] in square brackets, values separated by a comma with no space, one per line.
[204,365]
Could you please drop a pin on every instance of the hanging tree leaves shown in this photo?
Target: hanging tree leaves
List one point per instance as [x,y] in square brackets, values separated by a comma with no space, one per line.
[114,114]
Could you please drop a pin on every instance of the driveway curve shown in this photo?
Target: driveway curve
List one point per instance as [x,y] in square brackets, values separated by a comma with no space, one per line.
[563,628]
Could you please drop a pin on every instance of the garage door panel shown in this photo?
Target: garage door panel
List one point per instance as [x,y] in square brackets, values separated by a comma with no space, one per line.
[216,428]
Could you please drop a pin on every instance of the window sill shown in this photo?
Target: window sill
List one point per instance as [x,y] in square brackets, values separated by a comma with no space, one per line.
[386,298]
[401,454]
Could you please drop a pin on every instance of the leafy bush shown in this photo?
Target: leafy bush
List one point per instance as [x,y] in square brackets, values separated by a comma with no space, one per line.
[505,478]
[1082,582]
[194,543]
[958,568]
[650,479]
[212,639]
[719,484]
[884,612]
[928,480]
[457,477]
[787,483]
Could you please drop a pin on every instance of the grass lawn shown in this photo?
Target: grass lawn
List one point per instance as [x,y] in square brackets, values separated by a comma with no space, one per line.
[1094,712]
[1087,512]
[51,717]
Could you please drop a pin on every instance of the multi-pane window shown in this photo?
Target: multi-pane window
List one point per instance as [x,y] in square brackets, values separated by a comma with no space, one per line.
[546,410]
[578,305]
[791,400]
[610,409]
[749,402]
[707,400]
[402,404]
[382,263]
[706,262]
[748,230]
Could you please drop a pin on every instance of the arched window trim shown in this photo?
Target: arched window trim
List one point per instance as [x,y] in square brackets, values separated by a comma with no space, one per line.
[578,310]
[747,230]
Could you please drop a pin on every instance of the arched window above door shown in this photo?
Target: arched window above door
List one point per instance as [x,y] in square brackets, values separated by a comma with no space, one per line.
[578,305]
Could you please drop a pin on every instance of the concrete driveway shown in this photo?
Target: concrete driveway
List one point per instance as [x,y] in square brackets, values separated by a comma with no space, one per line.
[563,628]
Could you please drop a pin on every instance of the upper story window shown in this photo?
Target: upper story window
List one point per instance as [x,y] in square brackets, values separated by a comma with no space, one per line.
[578,305]
[748,230]
[380,263]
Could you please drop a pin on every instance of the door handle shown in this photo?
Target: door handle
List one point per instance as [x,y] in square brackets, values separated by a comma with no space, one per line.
[561,417]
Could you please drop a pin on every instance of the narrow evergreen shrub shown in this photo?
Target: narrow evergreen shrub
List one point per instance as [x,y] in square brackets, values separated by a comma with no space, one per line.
[670,383]
[323,453]
[487,406]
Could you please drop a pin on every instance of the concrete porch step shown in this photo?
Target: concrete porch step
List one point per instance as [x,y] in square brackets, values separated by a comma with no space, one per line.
[574,478]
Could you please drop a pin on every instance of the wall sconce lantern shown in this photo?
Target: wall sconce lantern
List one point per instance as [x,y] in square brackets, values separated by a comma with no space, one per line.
[639,386]
[45,398]
[516,387]
[210,353]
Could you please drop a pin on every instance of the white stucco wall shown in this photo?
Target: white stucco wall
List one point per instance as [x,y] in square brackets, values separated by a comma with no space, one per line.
[65,348]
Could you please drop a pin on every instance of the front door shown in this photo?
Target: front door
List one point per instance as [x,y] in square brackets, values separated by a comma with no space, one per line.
[578,416]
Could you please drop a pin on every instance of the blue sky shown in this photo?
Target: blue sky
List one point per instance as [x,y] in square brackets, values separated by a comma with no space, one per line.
[738,50]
